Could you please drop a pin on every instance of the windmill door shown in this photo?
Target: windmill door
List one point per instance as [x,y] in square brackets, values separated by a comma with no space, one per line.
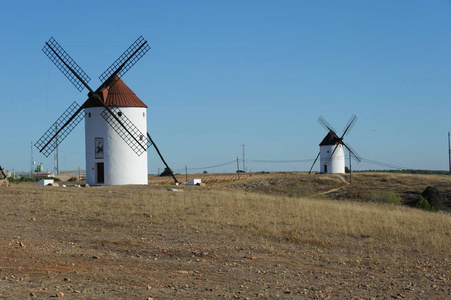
[325,168]
[100,173]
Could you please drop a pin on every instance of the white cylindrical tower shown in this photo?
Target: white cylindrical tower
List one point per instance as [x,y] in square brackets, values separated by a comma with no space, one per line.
[109,159]
[336,163]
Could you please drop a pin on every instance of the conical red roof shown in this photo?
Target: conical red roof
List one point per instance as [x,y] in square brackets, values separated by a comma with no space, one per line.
[118,95]
[121,95]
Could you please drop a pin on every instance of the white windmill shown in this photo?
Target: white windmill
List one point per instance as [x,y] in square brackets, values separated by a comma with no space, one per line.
[331,149]
[109,160]
[116,134]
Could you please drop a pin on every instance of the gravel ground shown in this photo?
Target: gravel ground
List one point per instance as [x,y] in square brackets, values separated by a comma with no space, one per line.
[58,255]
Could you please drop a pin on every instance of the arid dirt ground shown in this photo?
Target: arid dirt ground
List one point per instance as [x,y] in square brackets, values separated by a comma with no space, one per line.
[267,236]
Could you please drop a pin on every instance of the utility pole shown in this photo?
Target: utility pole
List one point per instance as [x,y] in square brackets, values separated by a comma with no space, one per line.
[238,167]
[350,169]
[55,158]
[449,152]
[244,164]
[32,161]
[186,173]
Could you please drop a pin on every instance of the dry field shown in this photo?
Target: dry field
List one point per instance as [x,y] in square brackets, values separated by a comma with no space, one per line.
[212,178]
[260,237]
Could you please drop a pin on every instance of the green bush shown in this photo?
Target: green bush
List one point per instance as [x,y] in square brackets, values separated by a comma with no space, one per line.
[22,179]
[423,203]
[387,197]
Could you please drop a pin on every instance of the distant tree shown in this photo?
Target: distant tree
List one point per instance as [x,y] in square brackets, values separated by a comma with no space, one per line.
[166,172]
[205,172]
[347,170]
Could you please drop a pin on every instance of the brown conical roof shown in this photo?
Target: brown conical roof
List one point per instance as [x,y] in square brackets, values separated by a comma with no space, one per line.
[330,139]
[119,94]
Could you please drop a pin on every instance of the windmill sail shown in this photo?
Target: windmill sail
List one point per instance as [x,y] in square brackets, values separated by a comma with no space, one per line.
[126,129]
[64,62]
[125,61]
[353,153]
[349,125]
[326,124]
[59,130]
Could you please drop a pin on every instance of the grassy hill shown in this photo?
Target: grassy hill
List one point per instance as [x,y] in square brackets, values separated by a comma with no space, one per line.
[395,188]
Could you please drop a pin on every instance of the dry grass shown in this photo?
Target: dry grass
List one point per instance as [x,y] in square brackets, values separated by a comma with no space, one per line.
[324,222]
[298,220]
[208,178]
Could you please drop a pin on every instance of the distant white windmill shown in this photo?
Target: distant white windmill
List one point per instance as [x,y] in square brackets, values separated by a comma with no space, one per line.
[331,149]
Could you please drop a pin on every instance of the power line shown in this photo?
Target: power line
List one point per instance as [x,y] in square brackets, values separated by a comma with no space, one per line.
[370,161]
[215,166]
[366,160]
[281,161]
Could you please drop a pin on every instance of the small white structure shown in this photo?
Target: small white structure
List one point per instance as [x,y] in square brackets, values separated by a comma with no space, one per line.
[45,182]
[332,146]
[109,159]
[194,182]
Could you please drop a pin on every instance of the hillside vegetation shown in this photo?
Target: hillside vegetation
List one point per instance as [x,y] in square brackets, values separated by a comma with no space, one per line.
[260,237]
[366,187]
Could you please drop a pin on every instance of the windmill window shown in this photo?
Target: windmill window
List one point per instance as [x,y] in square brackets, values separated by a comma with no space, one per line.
[327,151]
[89,114]
[98,148]
[144,114]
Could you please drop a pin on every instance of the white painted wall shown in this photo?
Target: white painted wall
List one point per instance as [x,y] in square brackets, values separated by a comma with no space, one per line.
[194,182]
[121,164]
[45,182]
[334,165]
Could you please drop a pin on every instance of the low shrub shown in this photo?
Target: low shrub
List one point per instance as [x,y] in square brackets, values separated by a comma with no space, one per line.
[22,179]
[386,196]
[422,203]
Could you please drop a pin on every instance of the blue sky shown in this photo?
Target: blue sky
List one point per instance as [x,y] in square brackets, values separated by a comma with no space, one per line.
[225,73]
